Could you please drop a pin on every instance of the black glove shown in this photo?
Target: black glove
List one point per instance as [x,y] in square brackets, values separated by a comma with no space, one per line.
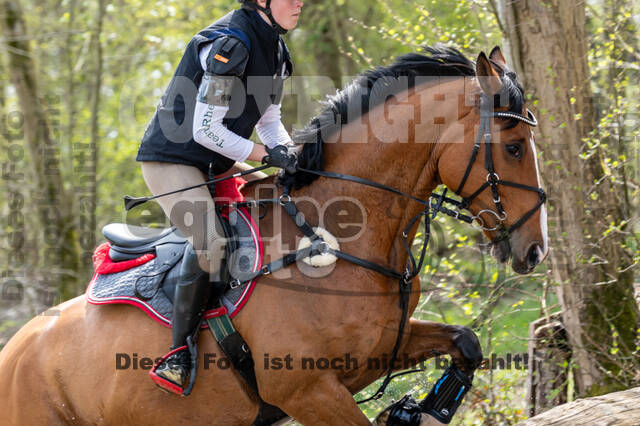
[279,156]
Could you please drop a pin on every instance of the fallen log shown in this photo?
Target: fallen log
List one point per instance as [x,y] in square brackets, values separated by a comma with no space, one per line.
[618,408]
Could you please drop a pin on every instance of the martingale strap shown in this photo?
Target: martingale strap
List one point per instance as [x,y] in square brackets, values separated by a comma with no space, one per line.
[319,246]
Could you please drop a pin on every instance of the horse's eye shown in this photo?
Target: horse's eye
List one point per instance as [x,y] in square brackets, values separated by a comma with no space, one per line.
[514,150]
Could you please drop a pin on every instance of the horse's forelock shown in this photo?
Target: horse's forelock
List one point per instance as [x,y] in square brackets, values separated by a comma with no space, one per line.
[515,93]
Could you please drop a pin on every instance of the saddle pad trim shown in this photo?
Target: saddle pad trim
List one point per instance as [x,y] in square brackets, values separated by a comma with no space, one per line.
[212,313]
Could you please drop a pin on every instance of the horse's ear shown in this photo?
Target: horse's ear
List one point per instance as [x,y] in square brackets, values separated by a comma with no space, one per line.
[497,57]
[488,77]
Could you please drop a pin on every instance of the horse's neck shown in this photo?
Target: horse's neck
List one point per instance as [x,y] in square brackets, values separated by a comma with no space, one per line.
[410,166]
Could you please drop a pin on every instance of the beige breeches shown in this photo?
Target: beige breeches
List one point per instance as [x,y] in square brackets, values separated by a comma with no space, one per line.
[193,211]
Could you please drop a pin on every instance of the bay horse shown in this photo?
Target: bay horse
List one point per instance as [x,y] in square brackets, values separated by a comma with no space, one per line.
[62,369]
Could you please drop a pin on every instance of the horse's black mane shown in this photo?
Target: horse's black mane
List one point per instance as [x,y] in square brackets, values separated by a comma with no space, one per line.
[362,94]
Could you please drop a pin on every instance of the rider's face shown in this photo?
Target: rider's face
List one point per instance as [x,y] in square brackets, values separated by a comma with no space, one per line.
[285,12]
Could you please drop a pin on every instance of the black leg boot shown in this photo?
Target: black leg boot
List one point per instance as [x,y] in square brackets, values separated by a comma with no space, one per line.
[189,304]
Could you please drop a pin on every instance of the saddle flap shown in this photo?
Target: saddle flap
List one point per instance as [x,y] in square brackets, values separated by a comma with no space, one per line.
[243,251]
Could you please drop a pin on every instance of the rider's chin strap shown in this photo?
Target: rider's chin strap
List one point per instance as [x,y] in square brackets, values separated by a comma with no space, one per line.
[266,11]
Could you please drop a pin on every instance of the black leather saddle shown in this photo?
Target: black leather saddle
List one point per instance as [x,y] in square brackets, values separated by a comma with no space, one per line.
[129,242]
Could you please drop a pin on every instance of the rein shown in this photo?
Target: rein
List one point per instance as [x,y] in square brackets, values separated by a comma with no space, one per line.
[319,246]
[431,208]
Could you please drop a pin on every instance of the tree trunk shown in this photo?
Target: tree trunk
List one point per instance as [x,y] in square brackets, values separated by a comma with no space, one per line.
[55,212]
[549,356]
[615,89]
[88,242]
[589,260]
[325,36]
[71,84]
[3,88]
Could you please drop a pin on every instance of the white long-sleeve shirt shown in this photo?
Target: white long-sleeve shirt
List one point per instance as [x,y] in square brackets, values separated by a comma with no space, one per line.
[209,131]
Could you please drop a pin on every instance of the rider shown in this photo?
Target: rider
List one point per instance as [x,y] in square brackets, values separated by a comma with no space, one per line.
[229,81]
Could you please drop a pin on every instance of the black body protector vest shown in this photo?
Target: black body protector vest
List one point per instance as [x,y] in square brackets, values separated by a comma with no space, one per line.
[247,53]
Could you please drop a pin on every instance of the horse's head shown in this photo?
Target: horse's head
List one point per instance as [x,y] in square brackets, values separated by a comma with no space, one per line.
[495,169]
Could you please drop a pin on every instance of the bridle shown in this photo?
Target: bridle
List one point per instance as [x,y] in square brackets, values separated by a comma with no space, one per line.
[492,180]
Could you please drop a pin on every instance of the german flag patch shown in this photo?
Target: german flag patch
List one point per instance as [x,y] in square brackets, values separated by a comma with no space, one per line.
[221,59]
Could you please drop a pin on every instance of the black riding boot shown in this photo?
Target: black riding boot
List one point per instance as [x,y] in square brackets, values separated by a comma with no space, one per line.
[189,304]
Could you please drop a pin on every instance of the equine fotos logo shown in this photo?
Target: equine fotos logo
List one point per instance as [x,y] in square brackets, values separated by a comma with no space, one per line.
[12,291]
[345,216]
[48,296]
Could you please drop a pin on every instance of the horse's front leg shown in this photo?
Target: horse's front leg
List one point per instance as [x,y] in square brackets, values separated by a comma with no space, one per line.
[428,339]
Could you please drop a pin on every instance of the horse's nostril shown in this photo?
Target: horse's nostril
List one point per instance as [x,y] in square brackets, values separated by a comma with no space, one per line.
[535,255]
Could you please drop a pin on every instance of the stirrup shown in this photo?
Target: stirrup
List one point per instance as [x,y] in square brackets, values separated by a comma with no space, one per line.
[170,386]
[163,383]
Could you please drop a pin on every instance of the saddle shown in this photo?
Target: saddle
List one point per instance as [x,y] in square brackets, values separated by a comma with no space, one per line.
[140,267]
